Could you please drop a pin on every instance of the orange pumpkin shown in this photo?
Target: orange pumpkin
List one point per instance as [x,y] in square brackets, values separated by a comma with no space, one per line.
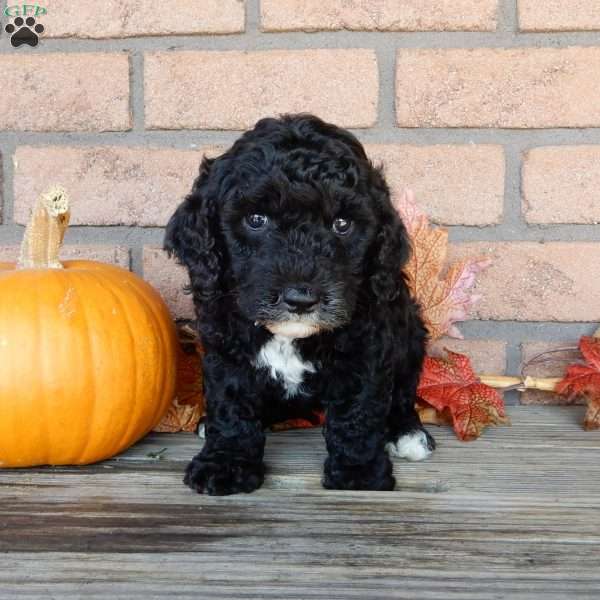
[87,353]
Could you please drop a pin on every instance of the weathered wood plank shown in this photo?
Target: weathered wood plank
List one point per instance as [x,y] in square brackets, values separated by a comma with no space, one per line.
[513,515]
[198,576]
[544,452]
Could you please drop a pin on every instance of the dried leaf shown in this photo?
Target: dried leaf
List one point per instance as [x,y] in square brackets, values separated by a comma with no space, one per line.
[189,377]
[584,381]
[450,384]
[592,415]
[159,454]
[187,408]
[408,209]
[443,292]
[430,416]
[180,417]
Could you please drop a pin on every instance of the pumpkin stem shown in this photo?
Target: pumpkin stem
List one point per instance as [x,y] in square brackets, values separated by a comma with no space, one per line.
[45,232]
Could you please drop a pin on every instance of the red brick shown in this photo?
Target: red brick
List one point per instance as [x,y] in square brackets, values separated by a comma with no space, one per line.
[126,18]
[488,357]
[169,279]
[529,281]
[561,185]
[64,92]
[382,15]
[551,368]
[232,90]
[496,87]
[114,255]
[108,185]
[559,15]
[455,185]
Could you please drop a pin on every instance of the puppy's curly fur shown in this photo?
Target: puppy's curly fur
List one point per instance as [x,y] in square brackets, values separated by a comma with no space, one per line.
[294,255]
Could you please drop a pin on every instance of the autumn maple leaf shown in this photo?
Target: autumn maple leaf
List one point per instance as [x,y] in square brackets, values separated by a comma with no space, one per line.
[180,417]
[584,380]
[443,293]
[451,387]
[187,407]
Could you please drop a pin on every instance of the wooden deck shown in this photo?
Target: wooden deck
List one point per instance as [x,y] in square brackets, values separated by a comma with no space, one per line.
[514,515]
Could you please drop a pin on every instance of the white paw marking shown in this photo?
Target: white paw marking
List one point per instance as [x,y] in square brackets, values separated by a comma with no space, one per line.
[412,446]
[281,357]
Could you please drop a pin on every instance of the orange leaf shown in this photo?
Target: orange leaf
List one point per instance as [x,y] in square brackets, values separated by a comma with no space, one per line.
[317,419]
[449,384]
[584,381]
[442,292]
[189,378]
[592,415]
[187,407]
[180,417]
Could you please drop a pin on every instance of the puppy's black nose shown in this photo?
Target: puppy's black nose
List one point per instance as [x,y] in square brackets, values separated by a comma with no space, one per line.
[300,299]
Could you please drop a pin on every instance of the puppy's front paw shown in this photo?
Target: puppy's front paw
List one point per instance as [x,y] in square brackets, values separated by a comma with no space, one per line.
[416,445]
[222,477]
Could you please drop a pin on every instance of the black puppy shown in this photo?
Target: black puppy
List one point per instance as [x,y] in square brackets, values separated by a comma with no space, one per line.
[295,254]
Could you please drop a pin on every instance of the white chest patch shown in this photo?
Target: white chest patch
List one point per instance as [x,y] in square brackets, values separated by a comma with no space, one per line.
[284,362]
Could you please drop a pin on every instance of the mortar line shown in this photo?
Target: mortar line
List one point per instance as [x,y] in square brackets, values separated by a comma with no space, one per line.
[508,21]
[509,232]
[8,152]
[513,367]
[253,20]
[118,235]
[299,40]
[524,139]
[386,64]
[546,331]
[512,217]
[136,86]
[136,259]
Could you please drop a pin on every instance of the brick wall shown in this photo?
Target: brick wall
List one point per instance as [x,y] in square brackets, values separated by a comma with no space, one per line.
[488,109]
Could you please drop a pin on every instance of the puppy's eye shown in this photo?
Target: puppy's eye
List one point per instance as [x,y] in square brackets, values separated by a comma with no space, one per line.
[341,226]
[257,221]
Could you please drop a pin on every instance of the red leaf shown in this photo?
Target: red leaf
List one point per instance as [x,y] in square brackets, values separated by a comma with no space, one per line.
[450,385]
[315,420]
[584,380]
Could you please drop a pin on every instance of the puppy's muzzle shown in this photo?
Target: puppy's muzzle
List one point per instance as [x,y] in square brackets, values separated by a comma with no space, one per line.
[297,309]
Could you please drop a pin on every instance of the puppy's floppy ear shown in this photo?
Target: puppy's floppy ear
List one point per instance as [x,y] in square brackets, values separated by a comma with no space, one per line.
[390,251]
[192,237]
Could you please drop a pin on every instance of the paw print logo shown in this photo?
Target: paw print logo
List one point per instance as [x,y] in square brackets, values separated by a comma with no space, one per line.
[24,31]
